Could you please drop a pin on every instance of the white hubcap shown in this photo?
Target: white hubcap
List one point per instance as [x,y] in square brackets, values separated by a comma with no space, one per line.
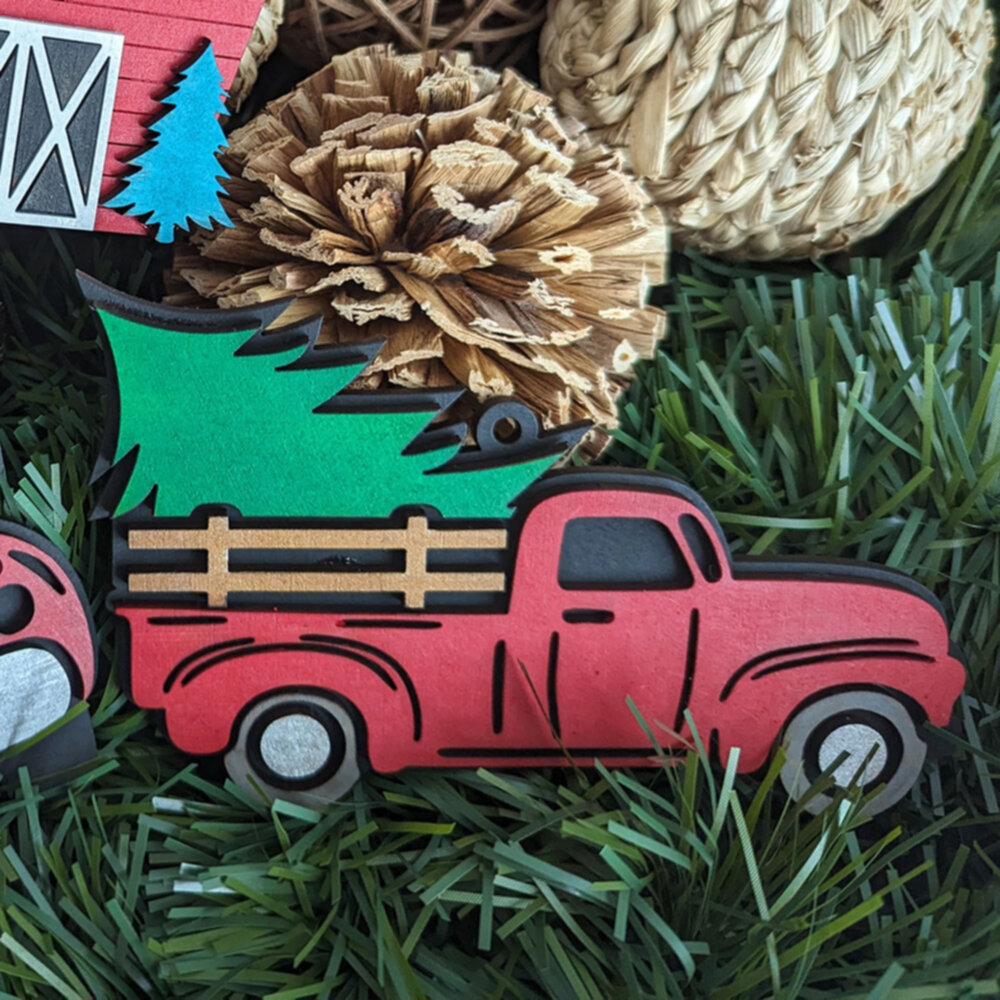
[857,741]
[36,692]
[295,746]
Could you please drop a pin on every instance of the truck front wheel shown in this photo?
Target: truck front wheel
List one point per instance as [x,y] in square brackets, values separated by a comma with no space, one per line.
[298,746]
[874,729]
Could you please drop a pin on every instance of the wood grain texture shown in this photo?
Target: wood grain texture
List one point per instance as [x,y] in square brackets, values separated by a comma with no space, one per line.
[218,540]
[317,538]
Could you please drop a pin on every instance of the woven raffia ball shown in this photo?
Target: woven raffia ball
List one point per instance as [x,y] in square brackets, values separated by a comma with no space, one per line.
[498,32]
[776,128]
[447,210]
[263,42]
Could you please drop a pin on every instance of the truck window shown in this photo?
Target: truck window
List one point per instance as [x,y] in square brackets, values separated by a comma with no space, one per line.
[704,552]
[621,553]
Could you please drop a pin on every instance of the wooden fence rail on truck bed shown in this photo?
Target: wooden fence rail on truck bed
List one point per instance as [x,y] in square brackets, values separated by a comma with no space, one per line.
[218,540]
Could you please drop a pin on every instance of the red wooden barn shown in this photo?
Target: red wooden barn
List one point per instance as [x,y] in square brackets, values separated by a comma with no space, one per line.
[79,81]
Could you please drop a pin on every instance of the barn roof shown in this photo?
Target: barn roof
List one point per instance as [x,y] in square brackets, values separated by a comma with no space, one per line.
[158,40]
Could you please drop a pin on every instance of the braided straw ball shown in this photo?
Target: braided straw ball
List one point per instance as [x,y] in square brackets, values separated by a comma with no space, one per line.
[774,128]
[262,44]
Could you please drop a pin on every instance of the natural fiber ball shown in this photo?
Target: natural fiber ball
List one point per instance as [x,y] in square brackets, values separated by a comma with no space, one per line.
[447,210]
[498,32]
[778,128]
[262,44]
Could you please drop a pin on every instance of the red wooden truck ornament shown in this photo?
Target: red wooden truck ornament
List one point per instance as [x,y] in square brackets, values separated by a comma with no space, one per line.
[47,656]
[308,648]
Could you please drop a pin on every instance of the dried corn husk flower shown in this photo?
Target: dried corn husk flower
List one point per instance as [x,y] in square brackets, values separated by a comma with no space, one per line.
[447,210]
[787,128]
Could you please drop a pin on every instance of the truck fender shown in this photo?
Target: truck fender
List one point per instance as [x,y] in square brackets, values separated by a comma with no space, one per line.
[757,726]
[753,708]
[204,700]
[51,613]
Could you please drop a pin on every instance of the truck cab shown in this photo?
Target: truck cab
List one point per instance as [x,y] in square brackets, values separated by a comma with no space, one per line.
[633,576]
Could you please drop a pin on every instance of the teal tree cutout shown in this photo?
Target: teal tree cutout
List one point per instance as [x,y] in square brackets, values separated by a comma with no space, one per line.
[223,416]
[177,183]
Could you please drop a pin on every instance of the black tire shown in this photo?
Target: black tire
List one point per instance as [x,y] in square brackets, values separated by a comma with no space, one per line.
[853,722]
[298,746]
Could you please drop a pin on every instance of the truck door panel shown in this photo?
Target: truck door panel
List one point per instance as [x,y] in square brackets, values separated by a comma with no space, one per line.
[626,618]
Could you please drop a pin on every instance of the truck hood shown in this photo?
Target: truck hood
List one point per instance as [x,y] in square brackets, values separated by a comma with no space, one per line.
[836,606]
[815,574]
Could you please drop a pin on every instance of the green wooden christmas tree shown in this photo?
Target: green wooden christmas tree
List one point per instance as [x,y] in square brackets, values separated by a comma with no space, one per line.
[211,410]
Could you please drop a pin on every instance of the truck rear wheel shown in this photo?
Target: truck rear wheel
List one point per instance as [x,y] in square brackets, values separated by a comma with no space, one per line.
[297,746]
[874,729]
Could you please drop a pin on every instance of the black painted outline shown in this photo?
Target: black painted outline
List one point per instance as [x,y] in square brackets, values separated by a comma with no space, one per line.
[185,620]
[387,623]
[588,616]
[497,687]
[806,661]
[552,685]
[521,752]
[327,647]
[690,665]
[832,645]
[392,663]
[36,566]
[199,654]
[238,653]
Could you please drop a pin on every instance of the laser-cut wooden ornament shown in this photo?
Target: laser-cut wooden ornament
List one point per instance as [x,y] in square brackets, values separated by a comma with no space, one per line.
[312,593]
[79,84]
[47,657]
[174,184]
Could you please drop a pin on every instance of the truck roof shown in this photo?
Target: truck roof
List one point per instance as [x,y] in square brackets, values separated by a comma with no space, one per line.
[742,566]
[601,478]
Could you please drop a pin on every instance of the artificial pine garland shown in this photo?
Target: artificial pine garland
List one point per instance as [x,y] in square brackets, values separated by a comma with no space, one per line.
[845,409]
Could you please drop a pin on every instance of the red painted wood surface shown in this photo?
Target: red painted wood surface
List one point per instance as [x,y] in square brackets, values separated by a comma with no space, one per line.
[59,618]
[740,649]
[160,37]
